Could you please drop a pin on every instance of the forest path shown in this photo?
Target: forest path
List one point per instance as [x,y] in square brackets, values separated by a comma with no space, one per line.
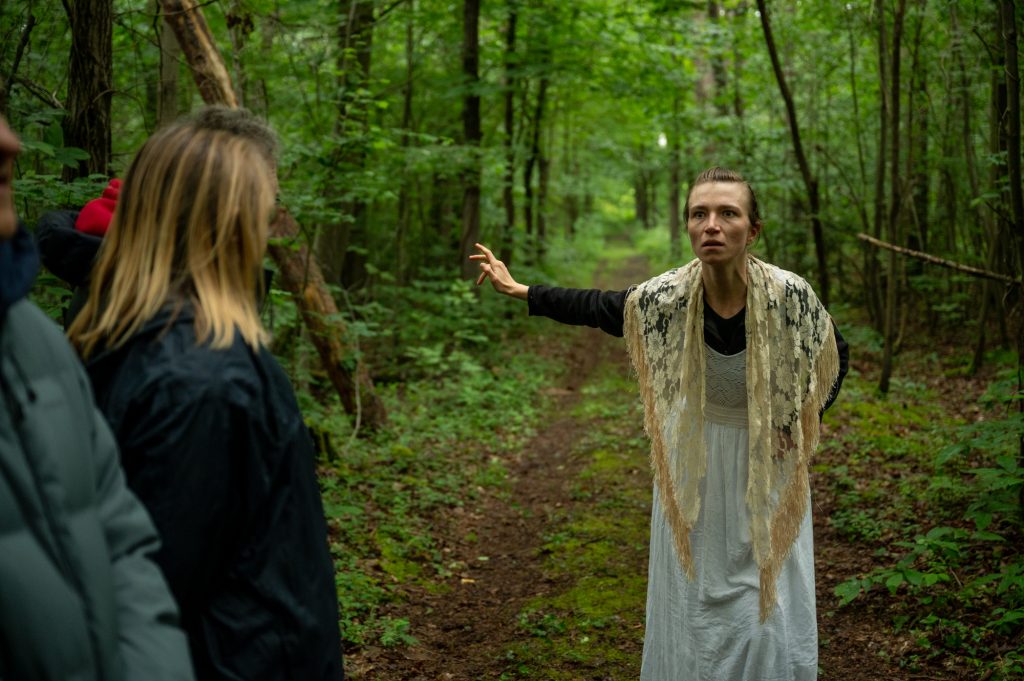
[549,574]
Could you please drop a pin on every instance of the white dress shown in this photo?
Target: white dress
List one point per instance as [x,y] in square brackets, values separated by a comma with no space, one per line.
[708,629]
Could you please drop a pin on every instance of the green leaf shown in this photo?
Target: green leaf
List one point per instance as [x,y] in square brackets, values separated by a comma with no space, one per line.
[894,582]
[38,147]
[849,590]
[70,156]
[987,536]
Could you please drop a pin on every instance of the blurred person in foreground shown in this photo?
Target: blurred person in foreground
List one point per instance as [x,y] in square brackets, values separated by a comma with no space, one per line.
[80,596]
[211,436]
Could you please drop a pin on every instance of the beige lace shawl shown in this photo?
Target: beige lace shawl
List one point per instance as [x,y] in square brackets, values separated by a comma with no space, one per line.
[792,363]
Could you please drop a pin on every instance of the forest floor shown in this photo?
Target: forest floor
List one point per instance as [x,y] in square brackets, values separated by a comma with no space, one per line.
[548,576]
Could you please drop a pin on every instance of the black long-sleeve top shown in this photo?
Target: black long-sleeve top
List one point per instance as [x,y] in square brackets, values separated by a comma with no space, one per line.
[605,310]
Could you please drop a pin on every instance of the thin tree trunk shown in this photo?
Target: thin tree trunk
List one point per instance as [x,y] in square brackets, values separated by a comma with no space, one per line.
[895,201]
[508,181]
[528,165]
[404,204]
[872,265]
[810,181]
[270,24]
[640,188]
[536,155]
[167,92]
[240,25]
[90,85]
[346,263]
[674,168]
[7,83]
[718,71]
[1012,123]
[472,133]
[301,276]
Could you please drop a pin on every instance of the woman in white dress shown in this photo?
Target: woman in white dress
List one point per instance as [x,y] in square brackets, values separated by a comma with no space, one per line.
[736,361]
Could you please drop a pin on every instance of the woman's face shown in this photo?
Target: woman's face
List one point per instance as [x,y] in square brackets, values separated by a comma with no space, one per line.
[719,222]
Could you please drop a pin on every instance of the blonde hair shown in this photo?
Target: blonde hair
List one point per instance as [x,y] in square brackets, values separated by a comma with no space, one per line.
[191,225]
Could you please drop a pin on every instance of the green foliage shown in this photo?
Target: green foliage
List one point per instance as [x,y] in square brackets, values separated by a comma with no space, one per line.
[960,579]
[452,419]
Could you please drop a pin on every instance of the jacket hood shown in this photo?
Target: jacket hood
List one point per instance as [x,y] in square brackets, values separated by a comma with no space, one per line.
[19,263]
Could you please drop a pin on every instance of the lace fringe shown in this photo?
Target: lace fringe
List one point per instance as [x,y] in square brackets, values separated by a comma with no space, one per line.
[794,498]
[659,456]
[778,531]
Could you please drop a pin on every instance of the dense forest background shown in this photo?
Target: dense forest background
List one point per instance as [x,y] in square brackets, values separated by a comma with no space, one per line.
[555,132]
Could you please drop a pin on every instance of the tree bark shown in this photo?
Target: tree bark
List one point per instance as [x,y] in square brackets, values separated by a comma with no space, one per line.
[872,264]
[1012,124]
[507,245]
[895,199]
[472,133]
[640,192]
[343,264]
[301,276]
[193,33]
[300,272]
[674,171]
[718,70]
[7,83]
[167,92]
[810,181]
[90,85]
[404,203]
[1008,15]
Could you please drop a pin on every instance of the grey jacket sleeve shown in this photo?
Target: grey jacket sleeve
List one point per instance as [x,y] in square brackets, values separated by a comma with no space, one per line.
[151,644]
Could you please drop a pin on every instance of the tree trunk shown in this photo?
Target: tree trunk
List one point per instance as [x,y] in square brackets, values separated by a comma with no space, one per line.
[810,181]
[531,210]
[1012,124]
[301,276]
[186,19]
[1008,16]
[895,199]
[718,70]
[472,133]
[640,188]
[167,92]
[404,203]
[871,263]
[917,162]
[507,190]
[674,163]
[7,83]
[347,264]
[90,85]
[300,272]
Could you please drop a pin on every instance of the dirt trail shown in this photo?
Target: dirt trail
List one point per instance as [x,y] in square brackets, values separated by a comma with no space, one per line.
[464,631]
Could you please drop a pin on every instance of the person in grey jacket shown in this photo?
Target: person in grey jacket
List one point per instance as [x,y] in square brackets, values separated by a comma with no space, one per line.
[80,597]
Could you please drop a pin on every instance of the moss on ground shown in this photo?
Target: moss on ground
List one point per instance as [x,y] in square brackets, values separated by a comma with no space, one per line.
[598,552]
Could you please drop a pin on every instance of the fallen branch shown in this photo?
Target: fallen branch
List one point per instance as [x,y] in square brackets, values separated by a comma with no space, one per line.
[942,262]
[39,92]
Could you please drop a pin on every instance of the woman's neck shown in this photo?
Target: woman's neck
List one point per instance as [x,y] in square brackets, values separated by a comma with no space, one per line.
[725,287]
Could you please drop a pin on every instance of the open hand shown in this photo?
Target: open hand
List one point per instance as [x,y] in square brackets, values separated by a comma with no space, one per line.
[495,270]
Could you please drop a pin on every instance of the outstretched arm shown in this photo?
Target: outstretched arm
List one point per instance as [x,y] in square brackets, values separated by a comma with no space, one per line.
[577,306]
[495,270]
